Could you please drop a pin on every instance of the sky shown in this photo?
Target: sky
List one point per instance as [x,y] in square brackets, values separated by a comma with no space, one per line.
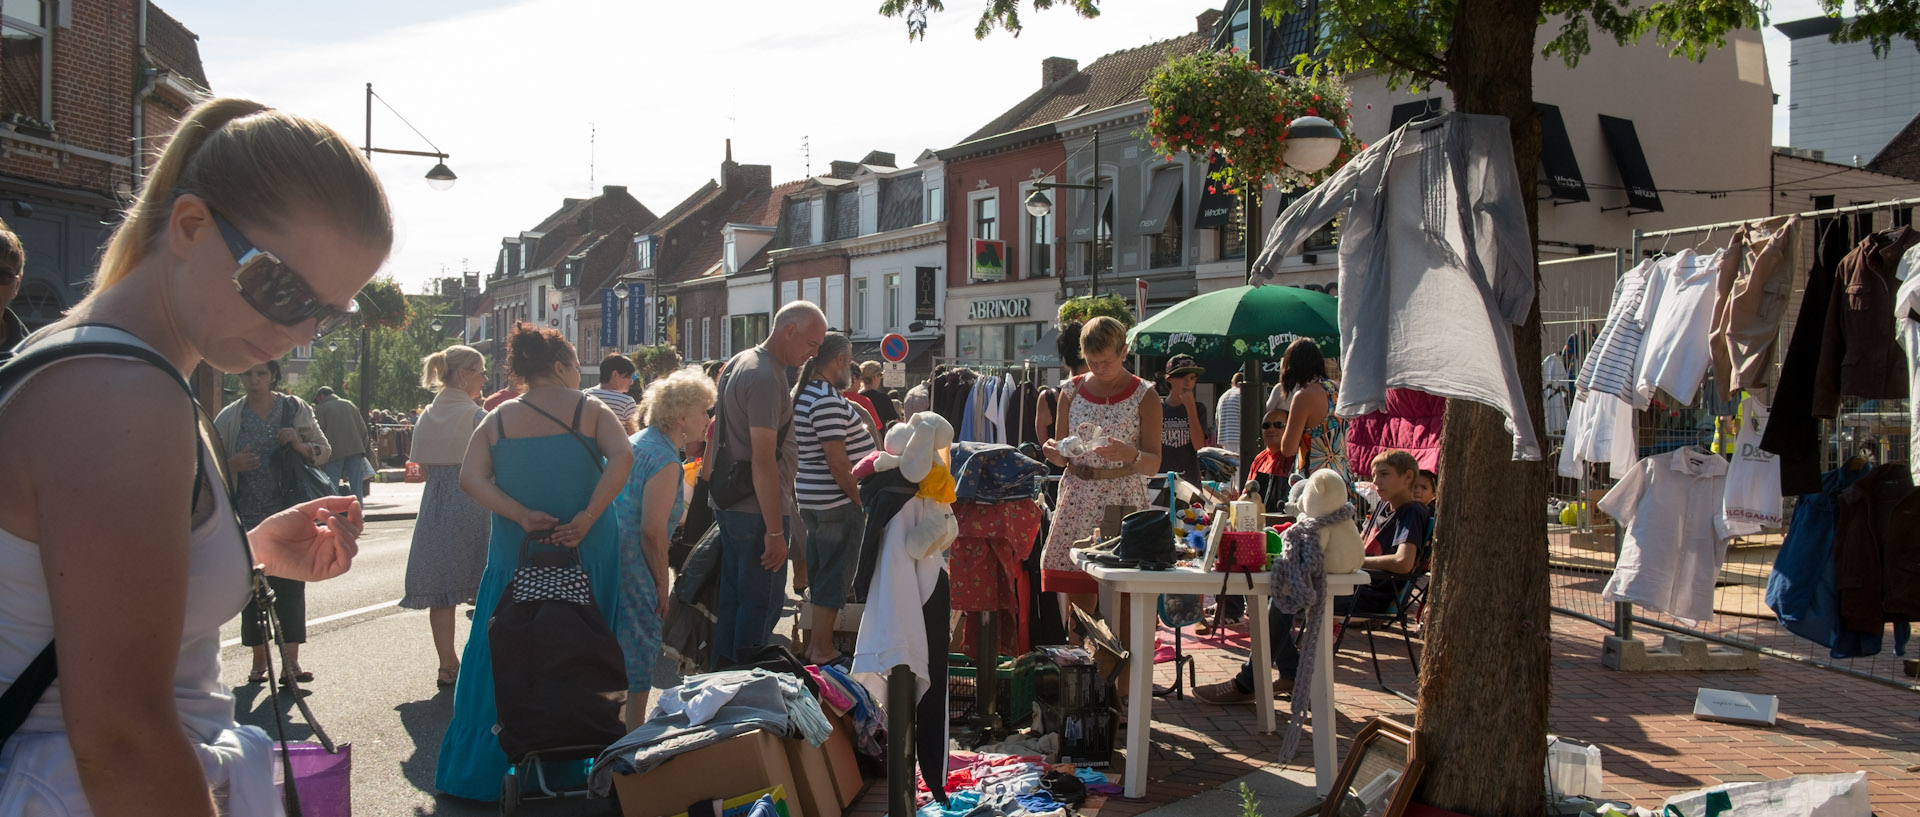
[539,100]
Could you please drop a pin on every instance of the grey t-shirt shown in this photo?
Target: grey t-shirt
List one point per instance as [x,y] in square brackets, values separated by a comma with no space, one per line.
[759,395]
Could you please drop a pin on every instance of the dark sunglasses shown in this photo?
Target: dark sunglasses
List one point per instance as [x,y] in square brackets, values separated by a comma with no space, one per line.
[273,289]
[1282,425]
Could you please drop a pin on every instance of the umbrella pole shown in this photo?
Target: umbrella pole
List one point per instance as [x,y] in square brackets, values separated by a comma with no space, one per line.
[1253,409]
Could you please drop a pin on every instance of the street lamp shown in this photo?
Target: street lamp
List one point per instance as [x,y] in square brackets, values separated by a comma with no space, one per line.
[440,321]
[440,177]
[1312,143]
[1038,206]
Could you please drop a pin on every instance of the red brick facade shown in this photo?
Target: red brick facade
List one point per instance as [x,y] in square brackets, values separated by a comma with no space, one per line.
[1004,171]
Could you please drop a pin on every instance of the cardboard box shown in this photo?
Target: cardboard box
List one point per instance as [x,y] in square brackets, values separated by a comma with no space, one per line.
[843,762]
[735,766]
[811,773]
[743,805]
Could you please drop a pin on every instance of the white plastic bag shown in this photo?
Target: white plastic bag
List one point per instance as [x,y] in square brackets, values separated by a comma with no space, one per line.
[1573,769]
[1805,795]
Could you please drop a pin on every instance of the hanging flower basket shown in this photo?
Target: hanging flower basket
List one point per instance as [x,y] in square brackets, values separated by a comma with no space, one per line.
[382,305]
[1220,102]
[655,361]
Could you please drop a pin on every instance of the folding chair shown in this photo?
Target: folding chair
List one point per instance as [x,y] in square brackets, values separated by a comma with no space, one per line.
[1412,595]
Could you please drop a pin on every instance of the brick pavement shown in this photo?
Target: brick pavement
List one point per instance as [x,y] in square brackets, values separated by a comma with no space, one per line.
[1643,722]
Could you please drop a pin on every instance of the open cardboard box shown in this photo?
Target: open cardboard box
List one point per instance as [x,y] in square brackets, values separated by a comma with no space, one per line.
[735,766]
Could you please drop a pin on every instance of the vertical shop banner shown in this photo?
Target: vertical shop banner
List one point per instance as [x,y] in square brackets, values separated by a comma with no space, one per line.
[989,260]
[924,289]
[669,327]
[609,319]
[636,314]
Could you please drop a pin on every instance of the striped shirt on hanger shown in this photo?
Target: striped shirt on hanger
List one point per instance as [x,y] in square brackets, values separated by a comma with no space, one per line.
[822,414]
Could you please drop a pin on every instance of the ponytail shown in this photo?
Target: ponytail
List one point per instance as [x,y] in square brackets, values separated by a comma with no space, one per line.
[437,369]
[433,371]
[257,166]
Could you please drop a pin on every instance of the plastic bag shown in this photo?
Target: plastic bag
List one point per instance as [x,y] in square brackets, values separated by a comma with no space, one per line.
[1573,768]
[1804,795]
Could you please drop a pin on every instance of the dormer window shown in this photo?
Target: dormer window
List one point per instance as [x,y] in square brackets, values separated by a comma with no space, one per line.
[730,259]
[643,248]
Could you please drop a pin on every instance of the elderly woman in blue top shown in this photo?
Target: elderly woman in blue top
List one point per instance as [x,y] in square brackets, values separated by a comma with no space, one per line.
[675,410]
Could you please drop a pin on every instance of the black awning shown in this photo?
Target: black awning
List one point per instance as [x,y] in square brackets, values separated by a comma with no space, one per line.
[1408,111]
[1556,156]
[1216,204]
[1158,209]
[1624,143]
[1086,216]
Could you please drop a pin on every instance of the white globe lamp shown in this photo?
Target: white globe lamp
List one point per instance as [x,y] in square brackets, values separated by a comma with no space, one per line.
[1312,143]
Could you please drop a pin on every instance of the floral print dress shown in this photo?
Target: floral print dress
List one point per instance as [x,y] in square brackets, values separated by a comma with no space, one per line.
[1083,503]
[1325,446]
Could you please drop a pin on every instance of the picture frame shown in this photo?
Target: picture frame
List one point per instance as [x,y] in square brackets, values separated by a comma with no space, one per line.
[1379,774]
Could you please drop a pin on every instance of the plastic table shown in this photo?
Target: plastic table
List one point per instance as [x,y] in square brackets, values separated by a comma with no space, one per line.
[1145,586]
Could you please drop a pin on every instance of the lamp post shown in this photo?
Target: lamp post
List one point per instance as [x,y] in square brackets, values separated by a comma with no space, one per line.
[1038,205]
[439,177]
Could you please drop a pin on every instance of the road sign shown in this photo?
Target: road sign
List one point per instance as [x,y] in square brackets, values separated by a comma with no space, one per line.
[893,374]
[1139,300]
[894,348]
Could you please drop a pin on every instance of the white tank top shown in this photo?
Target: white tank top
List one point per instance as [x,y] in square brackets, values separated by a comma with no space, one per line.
[217,590]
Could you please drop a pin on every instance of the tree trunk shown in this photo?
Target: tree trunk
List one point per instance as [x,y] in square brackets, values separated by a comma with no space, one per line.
[1484,681]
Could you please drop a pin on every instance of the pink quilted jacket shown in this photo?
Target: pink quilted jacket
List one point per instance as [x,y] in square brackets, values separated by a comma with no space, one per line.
[1410,422]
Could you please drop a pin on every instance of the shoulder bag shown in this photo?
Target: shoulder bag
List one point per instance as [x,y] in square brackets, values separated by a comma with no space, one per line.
[732,481]
[298,481]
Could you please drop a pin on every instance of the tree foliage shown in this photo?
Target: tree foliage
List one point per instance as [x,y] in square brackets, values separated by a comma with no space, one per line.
[397,353]
[1084,308]
[1003,14]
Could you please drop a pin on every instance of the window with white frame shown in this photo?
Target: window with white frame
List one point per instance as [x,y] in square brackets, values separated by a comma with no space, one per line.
[857,322]
[643,252]
[26,60]
[986,215]
[706,338]
[936,203]
[686,331]
[893,301]
[730,260]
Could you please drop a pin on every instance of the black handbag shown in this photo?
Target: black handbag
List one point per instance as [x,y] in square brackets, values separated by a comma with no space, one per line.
[732,480]
[296,478]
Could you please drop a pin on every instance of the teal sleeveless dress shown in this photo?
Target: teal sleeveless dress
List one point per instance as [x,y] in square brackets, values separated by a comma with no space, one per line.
[551,473]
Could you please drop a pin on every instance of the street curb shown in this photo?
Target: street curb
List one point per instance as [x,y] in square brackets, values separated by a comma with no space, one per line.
[389,517]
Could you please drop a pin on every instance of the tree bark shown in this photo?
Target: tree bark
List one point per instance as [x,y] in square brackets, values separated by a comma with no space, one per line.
[1484,682]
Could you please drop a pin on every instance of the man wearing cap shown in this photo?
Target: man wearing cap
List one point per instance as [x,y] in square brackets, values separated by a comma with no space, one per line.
[346,429]
[1183,425]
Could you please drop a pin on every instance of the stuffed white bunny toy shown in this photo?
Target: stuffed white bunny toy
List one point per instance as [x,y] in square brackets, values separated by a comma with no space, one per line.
[919,448]
[1322,493]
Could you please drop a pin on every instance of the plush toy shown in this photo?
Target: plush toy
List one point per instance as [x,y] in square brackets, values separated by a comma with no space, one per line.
[920,448]
[1322,493]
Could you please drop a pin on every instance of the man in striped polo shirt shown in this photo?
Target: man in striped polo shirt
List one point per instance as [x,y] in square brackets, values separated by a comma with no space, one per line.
[831,438]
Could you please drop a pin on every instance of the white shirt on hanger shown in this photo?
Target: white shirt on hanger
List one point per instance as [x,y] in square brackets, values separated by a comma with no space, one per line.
[1553,380]
[1675,354]
[1675,535]
[1600,428]
[1610,364]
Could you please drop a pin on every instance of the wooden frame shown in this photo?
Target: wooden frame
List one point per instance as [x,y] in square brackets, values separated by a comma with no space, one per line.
[1379,794]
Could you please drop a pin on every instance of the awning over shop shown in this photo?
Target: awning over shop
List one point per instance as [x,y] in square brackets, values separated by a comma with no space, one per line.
[1624,143]
[1046,350]
[1216,204]
[1408,111]
[1556,156]
[1158,210]
[1084,216]
[864,350]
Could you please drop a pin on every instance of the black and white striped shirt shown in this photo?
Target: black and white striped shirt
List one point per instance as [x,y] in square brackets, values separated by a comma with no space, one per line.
[822,414]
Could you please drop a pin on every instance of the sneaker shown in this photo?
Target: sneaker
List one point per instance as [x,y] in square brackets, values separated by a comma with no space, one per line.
[1224,693]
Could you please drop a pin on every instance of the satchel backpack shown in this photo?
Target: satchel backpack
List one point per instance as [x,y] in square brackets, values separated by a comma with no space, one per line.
[559,677]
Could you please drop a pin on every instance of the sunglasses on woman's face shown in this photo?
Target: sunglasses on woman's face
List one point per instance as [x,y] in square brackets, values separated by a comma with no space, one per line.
[1279,426]
[274,290]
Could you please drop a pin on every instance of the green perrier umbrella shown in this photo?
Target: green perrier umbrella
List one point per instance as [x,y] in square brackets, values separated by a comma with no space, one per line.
[1240,324]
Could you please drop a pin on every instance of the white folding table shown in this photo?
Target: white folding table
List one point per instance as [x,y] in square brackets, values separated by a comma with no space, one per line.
[1144,588]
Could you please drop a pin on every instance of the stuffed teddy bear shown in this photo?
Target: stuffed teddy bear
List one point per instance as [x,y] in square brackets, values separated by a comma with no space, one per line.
[1322,493]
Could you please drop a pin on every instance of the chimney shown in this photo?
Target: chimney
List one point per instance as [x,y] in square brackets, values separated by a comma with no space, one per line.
[842,170]
[751,177]
[613,190]
[879,158]
[728,167]
[1055,69]
[1206,22]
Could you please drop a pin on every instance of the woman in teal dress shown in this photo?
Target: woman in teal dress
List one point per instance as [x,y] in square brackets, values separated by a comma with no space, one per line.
[676,415]
[533,461]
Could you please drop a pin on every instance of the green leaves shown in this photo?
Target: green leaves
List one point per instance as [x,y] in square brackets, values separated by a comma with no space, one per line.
[1086,307]
[1004,14]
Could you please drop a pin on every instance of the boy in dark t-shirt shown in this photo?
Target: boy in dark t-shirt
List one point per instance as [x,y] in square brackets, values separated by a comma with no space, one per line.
[1397,535]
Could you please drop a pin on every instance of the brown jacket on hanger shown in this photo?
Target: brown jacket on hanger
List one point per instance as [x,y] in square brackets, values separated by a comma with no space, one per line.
[1876,550]
[1858,354]
[1756,280]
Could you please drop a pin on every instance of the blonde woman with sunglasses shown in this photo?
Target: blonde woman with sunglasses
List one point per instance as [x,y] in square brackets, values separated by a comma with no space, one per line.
[118,542]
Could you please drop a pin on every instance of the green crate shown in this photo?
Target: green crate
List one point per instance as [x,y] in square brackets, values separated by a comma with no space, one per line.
[1014,691]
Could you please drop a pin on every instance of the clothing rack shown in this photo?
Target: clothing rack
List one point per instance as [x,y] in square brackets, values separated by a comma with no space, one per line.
[1894,204]
[1025,371]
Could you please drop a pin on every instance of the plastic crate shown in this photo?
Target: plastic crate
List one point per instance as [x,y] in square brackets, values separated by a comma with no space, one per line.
[1014,691]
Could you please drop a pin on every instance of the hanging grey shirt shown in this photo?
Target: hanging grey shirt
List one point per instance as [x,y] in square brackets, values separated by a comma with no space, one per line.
[1436,267]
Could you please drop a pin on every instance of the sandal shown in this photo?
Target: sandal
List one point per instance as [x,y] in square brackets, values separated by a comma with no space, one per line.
[258,676]
[301,676]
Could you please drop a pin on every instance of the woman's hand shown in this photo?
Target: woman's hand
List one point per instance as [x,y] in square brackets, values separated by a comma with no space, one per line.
[243,462]
[662,595]
[531,520]
[570,534]
[1051,450]
[287,436]
[1117,451]
[312,541]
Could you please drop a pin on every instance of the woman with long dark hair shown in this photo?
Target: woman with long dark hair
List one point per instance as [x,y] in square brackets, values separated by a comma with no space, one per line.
[1315,438]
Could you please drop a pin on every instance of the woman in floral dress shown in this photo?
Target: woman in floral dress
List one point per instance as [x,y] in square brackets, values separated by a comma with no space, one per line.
[1315,437]
[1127,410]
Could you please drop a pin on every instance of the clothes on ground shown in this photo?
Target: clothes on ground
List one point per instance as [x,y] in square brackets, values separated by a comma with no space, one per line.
[1385,532]
[1675,354]
[1226,420]
[755,393]
[449,552]
[1182,437]
[1082,504]
[546,472]
[638,625]
[822,415]
[1906,314]
[707,709]
[41,777]
[1675,536]
[1753,501]
[1410,421]
[1803,589]
[1756,281]
[1436,236]
[623,405]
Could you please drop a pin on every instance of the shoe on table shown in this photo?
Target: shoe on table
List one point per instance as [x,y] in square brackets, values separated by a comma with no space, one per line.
[1224,693]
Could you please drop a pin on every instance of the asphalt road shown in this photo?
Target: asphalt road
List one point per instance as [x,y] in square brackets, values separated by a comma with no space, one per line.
[374,686]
